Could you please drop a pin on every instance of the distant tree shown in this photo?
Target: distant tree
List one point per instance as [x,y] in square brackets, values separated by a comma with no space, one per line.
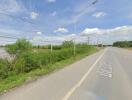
[123,44]
[67,44]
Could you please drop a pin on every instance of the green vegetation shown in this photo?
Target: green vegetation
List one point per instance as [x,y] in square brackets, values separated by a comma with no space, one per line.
[68,44]
[4,69]
[123,44]
[20,46]
[32,61]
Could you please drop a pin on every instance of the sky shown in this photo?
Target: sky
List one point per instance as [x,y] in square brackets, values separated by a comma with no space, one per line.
[46,21]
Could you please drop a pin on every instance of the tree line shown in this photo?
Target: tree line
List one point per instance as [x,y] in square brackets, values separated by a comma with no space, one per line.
[122,44]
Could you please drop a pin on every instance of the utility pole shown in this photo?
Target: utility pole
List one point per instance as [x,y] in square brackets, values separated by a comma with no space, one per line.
[97,42]
[51,47]
[74,48]
[74,39]
[88,40]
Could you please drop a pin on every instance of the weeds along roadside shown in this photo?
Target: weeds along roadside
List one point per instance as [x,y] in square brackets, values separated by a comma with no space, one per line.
[31,58]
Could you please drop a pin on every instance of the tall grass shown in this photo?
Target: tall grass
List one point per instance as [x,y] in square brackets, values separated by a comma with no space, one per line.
[4,69]
[28,60]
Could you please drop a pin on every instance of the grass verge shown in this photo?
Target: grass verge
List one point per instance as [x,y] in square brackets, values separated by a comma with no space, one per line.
[17,80]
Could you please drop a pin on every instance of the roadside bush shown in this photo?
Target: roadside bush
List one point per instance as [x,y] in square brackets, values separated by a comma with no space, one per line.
[4,68]
[21,45]
[12,48]
[28,60]
[43,58]
[19,65]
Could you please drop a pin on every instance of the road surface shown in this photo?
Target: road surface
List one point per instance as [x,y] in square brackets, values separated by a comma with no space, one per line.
[106,75]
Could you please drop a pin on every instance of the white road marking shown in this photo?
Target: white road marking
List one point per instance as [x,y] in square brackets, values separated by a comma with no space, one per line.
[67,96]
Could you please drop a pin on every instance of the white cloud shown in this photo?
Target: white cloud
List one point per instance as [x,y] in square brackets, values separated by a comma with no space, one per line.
[10,6]
[8,31]
[56,39]
[62,30]
[9,35]
[122,30]
[110,35]
[51,1]
[90,31]
[103,35]
[99,14]
[39,33]
[34,15]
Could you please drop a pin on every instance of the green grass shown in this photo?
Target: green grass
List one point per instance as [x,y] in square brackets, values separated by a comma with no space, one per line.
[17,80]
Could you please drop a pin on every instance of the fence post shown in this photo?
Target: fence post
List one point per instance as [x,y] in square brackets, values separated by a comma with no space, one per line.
[51,47]
[74,48]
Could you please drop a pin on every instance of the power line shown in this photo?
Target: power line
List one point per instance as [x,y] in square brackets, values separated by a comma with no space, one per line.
[94,2]
[16,17]
[8,37]
[87,6]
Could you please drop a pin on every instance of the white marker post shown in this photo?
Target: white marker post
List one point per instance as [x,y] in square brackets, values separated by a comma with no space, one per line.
[51,47]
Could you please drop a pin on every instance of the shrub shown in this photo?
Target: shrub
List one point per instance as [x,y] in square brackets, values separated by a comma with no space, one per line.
[19,65]
[21,45]
[28,60]
[4,68]
[67,44]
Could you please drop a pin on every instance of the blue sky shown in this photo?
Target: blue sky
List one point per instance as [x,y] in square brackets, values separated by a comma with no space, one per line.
[55,20]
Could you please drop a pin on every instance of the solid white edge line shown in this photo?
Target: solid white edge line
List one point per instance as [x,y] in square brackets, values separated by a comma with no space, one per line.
[67,96]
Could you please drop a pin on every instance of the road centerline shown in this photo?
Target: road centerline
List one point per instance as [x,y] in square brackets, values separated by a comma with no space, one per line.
[67,96]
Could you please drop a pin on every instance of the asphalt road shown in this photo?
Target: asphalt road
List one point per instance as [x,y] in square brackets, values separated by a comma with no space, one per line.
[106,75]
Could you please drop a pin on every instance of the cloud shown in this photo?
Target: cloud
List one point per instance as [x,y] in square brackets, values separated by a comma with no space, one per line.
[51,1]
[34,15]
[56,39]
[122,30]
[39,33]
[99,14]
[10,9]
[61,30]
[10,6]
[8,31]
[107,36]
[90,31]
[53,13]
[8,35]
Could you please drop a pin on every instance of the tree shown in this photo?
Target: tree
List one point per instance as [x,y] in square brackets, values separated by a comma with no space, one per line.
[68,44]
[122,44]
[21,45]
